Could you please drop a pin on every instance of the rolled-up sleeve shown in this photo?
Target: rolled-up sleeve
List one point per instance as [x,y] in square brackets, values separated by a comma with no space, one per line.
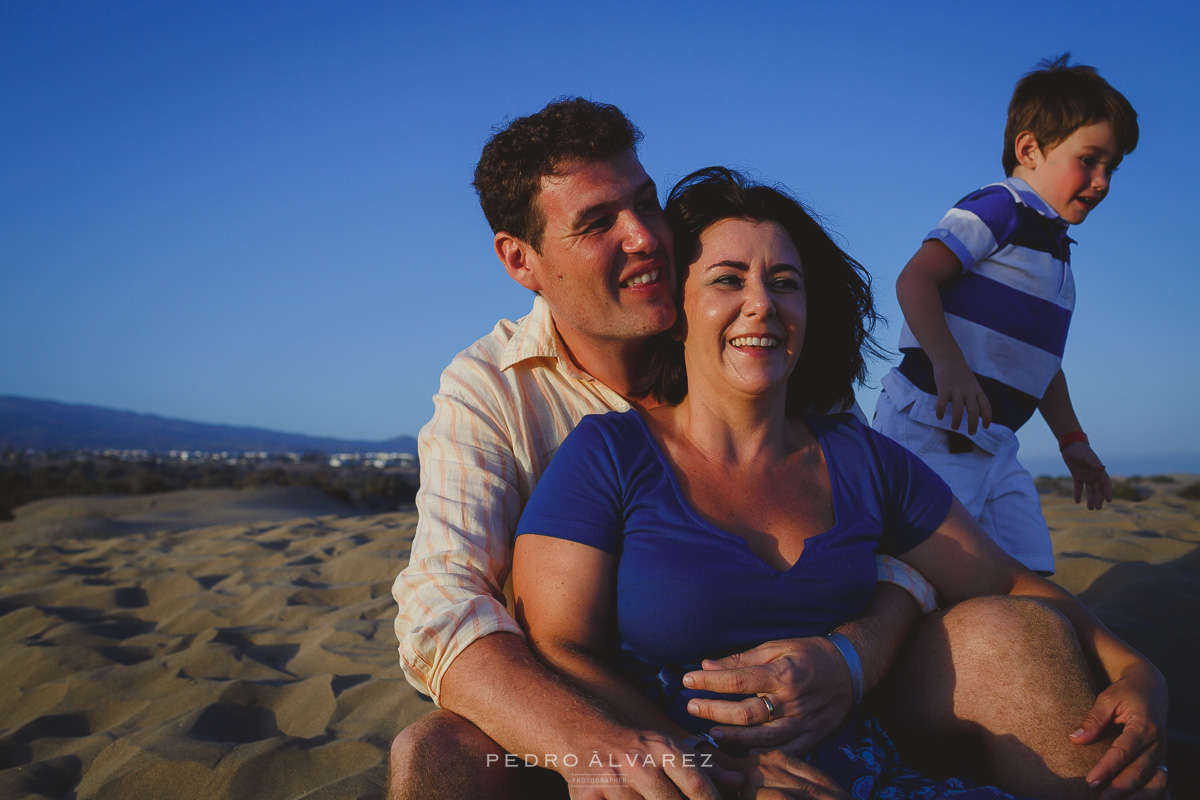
[452,591]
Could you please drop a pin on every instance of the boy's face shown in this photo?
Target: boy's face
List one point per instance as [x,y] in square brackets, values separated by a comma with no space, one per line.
[1073,176]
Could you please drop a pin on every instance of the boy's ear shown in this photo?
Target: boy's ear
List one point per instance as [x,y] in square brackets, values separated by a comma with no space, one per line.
[1027,151]
[516,255]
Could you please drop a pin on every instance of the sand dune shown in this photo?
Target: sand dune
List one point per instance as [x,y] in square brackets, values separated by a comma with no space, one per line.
[224,644]
[193,645]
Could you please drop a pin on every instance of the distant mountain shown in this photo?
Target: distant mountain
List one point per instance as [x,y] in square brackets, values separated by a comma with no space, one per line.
[47,425]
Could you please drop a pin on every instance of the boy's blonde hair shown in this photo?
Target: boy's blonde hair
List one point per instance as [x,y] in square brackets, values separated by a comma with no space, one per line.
[1055,100]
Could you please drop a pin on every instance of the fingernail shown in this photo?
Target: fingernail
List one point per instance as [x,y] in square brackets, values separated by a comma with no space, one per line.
[1077,734]
[688,680]
[693,708]
[1093,784]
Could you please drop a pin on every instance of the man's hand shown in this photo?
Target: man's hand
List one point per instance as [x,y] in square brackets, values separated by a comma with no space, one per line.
[1089,473]
[778,776]
[1138,702]
[958,388]
[806,680]
[648,765]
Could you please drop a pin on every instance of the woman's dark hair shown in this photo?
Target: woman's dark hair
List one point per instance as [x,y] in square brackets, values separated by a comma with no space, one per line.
[840,315]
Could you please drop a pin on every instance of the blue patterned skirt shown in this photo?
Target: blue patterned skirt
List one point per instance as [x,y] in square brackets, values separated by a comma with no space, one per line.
[861,757]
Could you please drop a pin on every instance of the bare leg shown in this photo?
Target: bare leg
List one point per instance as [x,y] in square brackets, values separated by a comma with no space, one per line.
[442,756]
[1007,674]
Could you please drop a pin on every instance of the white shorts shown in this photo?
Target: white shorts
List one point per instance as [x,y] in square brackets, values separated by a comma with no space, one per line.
[994,488]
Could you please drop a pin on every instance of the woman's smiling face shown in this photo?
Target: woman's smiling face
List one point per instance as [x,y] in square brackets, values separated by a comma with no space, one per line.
[744,306]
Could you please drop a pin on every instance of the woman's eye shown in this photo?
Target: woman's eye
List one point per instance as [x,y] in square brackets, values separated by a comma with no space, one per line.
[1088,161]
[729,280]
[786,284]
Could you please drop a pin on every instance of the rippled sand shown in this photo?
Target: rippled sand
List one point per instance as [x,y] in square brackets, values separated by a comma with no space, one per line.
[224,644]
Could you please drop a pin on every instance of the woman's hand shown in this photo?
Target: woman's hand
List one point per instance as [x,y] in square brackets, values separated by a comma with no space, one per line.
[779,776]
[806,681]
[1138,702]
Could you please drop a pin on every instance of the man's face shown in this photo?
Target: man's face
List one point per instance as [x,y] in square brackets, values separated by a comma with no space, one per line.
[605,266]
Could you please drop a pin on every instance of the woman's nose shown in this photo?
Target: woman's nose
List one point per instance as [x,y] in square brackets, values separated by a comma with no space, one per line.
[759,302]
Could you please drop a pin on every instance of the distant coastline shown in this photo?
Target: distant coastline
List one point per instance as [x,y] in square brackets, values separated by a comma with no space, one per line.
[33,424]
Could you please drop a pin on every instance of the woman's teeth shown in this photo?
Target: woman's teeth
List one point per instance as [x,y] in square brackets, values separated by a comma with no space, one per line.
[755,341]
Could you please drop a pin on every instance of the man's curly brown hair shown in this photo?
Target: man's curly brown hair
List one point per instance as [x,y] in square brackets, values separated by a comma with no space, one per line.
[517,157]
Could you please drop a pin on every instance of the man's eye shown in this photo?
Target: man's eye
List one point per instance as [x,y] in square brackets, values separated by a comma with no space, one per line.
[599,224]
[650,206]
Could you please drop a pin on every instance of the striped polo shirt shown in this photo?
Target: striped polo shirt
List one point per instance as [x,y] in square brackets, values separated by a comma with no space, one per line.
[1009,310]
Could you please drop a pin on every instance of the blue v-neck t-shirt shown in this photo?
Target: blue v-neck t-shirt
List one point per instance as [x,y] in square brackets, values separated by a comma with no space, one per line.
[687,590]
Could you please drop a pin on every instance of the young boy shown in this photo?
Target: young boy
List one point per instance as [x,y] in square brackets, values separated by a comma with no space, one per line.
[987,301]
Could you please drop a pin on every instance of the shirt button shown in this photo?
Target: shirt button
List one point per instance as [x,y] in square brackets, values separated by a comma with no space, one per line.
[623,407]
[943,234]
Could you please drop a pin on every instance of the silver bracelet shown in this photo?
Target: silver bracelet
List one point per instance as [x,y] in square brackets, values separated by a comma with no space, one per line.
[853,663]
[697,738]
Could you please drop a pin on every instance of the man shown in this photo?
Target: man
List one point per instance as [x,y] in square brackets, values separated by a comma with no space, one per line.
[577,220]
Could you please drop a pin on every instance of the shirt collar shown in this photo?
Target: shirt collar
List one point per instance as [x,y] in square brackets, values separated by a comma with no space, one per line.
[536,337]
[1032,199]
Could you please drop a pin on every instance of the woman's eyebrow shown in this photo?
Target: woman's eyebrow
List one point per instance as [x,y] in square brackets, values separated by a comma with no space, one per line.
[781,266]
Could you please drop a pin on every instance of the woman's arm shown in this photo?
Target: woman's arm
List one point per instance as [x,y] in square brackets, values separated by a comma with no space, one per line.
[962,562]
[564,596]
[564,593]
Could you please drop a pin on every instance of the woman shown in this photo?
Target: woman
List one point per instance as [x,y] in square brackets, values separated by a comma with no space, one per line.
[728,516]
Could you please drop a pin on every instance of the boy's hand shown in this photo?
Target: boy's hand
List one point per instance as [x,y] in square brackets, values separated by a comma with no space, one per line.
[958,388]
[1088,472]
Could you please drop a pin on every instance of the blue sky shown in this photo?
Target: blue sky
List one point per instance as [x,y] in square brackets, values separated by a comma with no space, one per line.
[260,213]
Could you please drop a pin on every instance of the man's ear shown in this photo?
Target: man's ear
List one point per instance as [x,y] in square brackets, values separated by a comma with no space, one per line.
[1027,151]
[515,255]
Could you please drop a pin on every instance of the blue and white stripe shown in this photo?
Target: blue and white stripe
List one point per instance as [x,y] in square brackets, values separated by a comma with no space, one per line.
[1009,310]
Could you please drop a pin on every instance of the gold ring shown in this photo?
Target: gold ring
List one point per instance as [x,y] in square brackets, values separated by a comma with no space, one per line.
[770,707]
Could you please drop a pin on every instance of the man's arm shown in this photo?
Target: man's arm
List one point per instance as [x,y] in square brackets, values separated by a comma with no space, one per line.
[917,290]
[457,641]
[498,684]
[1086,467]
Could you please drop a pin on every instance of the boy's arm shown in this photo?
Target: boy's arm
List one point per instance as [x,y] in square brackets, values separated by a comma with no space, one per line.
[1085,466]
[917,290]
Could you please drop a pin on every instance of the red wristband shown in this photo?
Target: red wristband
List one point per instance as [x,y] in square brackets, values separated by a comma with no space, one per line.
[1071,438]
